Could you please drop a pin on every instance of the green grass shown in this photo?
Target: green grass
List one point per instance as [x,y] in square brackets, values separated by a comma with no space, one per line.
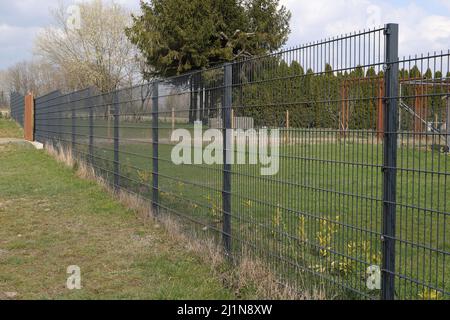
[9,129]
[50,219]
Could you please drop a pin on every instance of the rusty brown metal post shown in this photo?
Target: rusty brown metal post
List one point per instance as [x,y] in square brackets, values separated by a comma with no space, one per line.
[29,117]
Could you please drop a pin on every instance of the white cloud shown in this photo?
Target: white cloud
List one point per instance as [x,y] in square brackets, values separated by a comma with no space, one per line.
[424,25]
[13,33]
[16,43]
[420,31]
[445,3]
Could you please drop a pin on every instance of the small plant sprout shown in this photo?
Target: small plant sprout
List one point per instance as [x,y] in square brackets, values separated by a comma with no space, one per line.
[194,205]
[144,176]
[215,206]
[180,186]
[430,294]
[325,236]
[319,268]
[276,219]
[301,229]
[248,203]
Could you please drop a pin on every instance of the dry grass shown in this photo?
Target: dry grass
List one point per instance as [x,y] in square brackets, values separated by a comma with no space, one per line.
[249,278]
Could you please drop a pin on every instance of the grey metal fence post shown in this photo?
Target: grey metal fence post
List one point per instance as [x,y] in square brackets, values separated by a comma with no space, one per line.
[91,126]
[116,140]
[49,130]
[11,102]
[390,162]
[60,116]
[155,139]
[227,154]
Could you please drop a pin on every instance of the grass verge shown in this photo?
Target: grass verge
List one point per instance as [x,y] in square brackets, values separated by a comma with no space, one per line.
[51,219]
[248,278]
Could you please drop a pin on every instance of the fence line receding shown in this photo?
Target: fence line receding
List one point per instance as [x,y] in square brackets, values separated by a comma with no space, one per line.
[360,205]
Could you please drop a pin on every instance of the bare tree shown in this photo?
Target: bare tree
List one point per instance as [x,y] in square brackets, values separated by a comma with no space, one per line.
[96,54]
[36,76]
[4,90]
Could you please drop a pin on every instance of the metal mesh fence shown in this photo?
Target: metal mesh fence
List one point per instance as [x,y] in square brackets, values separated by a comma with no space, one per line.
[358,205]
[17,103]
[423,169]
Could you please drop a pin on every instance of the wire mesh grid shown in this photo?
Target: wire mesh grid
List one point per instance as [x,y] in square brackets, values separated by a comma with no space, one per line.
[358,205]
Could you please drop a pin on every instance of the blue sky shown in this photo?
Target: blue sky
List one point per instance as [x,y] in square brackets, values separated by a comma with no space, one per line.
[424,25]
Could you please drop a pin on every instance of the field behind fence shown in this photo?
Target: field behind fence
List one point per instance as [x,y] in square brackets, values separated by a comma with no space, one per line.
[359,208]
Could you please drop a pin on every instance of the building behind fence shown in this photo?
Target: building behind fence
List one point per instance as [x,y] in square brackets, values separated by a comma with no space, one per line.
[360,206]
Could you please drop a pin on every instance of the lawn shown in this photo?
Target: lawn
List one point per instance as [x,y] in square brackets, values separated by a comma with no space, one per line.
[51,219]
[10,129]
[318,222]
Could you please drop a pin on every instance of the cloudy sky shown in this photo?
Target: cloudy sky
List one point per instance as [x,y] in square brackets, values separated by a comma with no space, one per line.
[424,25]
